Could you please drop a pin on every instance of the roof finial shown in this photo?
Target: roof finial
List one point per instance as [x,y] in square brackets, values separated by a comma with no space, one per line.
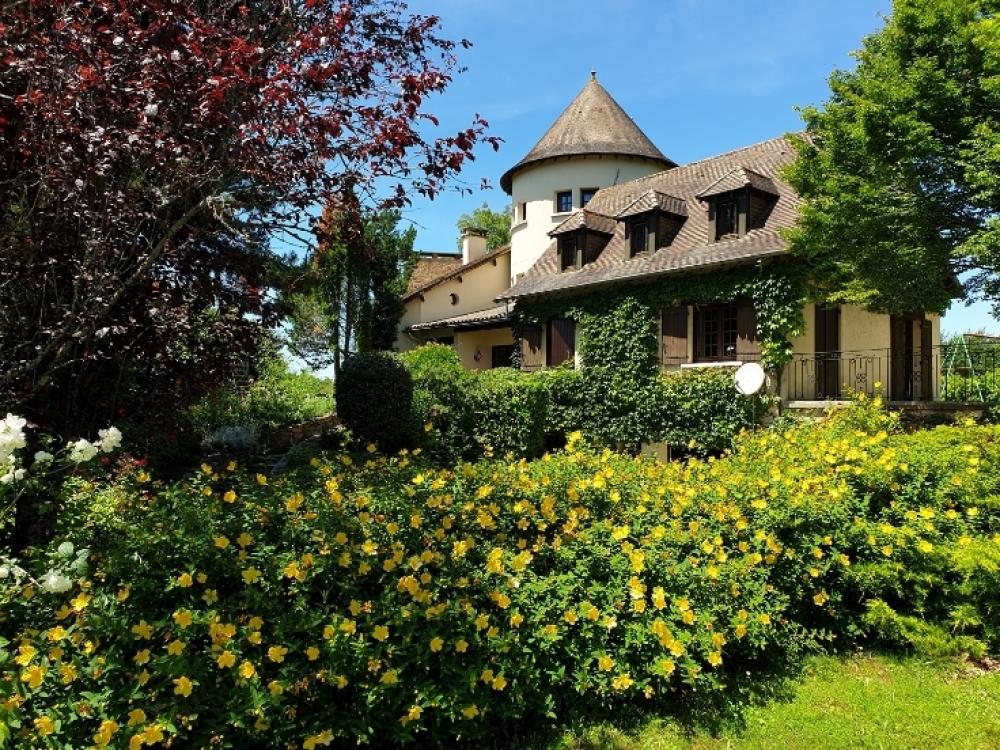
[593,75]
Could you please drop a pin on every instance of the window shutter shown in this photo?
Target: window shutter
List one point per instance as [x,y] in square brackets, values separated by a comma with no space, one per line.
[561,341]
[532,356]
[747,345]
[674,335]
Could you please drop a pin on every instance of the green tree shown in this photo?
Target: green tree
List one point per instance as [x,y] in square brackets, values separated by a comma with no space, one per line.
[348,294]
[496,224]
[900,168]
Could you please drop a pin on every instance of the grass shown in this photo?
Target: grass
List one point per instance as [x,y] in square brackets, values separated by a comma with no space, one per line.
[871,702]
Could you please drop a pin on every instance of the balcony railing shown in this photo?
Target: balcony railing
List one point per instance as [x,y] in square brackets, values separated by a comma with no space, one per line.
[939,373]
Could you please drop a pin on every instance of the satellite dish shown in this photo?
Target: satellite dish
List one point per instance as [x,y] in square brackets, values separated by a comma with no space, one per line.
[749,378]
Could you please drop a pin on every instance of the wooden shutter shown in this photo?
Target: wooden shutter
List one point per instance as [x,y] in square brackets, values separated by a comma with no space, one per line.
[926,362]
[674,335]
[561,341]
[747,346]
[898,358]
[532,356]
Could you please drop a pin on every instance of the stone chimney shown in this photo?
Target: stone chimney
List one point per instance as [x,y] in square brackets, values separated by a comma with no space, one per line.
[473,245]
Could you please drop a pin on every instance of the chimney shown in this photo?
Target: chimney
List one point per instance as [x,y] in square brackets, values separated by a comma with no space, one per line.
[473,245]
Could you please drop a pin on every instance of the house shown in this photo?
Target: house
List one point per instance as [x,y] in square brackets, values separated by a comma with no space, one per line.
[599,211]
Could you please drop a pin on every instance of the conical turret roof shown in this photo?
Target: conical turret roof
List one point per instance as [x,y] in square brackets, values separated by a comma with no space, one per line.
[593,123]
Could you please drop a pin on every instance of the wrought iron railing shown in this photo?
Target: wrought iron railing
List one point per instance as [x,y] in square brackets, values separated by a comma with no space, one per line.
[938,373]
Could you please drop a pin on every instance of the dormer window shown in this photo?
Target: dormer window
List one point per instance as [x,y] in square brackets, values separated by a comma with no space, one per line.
[569,247]
[739,201]
[581,238]
[726,217]
[638,240]
[652,221]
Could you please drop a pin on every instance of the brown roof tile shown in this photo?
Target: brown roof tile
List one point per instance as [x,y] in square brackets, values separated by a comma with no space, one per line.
[584,219]
[654,199]
[738,178]
[431,266]
[593,123]
[491,316]
[690,248]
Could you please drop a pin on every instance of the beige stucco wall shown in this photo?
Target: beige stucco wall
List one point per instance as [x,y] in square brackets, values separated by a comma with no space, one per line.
[467,343]
[537,187]
[477,290]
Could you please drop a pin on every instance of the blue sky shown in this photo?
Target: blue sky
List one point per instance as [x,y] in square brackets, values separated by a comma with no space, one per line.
[698,77]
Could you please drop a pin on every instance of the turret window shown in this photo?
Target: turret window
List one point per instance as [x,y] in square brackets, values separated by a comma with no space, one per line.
[586,194]
[564,201]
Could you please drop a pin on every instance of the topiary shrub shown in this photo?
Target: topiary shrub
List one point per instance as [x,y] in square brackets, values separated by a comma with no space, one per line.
[374,400]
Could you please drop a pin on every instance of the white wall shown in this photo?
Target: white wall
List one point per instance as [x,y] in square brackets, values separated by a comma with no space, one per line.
[537,186]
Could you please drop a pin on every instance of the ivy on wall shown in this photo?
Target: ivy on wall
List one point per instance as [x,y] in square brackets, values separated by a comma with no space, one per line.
[617,327]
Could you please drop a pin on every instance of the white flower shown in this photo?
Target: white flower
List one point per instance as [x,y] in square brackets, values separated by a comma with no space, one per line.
[151,110]
[7,478]
[111,438]
[65,549]
[81,451]
[19,474]
[55,583]
[43,457]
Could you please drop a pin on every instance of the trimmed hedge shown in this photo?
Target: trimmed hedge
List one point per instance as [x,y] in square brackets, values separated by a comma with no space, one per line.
[464,413]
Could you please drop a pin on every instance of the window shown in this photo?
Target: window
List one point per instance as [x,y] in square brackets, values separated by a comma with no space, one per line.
[561,341]
[522,211]
[716,330]
[638,237]
[453,298]
[502,355]
[726,217]
[564,201]
[585,195]
[568,246]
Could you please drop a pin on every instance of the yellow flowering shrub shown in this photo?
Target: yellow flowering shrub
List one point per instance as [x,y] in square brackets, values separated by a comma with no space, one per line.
[371,599]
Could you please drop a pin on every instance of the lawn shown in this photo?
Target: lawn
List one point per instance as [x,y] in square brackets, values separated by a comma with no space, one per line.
[877,702]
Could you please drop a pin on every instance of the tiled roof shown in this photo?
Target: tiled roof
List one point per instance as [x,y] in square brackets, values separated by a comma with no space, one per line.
[456,271]
[497,314]
[690,248]
[739,178]
[593,123]
[584,219]
[431,266]
[654,199]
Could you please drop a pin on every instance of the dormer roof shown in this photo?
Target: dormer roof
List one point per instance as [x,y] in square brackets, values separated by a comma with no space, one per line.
[593,124]
[737,179]
[584,219]
[654,200]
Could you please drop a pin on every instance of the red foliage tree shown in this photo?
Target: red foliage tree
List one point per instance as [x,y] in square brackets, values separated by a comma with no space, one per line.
[152,151]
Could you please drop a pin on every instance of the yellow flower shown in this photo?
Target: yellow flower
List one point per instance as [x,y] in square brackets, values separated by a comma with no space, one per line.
[123,593]
[247,670]
[221,541]
[605,663]
[251,575]
[211,596]
[516,619]
[622,682]
[183,618]
[261,479]
[413,714]
[461,645]
[136,716]
[176,647]
[765,619]
[437,644]
[275,687]
[142,477]
[206,491]
[667,666]
[33,676]
[141,657]
[570,616]
[390,678]
[25,654]
[715,658]
[142,630]
[44,726]
[80,602]
[380,632]
[821,598]
[470,712]
[229,496]
[105,732]
[255,638]
[183,687]
[277,654]
[184,580]
[226,659]
[498,682]
[244,539]
[153,734]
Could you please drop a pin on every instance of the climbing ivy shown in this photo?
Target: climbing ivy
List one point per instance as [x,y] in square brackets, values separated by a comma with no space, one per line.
[616,327]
